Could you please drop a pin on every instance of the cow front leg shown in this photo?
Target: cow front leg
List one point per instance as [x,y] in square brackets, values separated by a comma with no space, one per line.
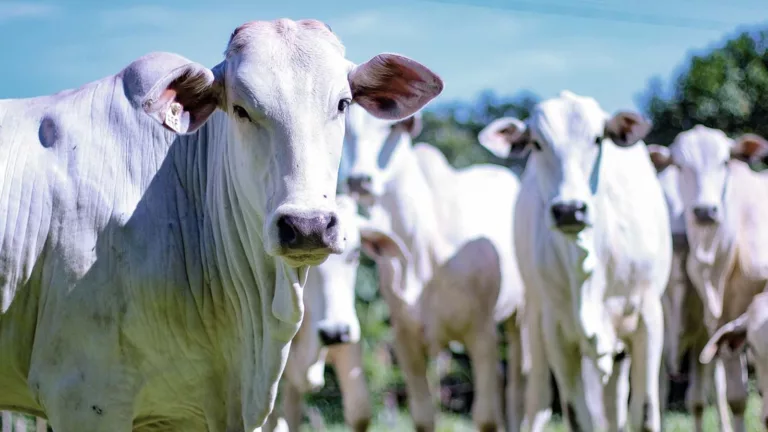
[565,360]
[538,390]
[646,352]
[515,391]
[347,360]
[412,358]
[736,388]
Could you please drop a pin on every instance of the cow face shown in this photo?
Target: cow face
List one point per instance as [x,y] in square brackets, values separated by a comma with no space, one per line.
[374,151]
[566,135]
[703,157]
[285,87]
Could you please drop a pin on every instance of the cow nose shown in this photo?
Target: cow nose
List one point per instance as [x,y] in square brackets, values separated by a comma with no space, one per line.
[570,216]
[705,214]
[311,232]
[334,334]
[360,183]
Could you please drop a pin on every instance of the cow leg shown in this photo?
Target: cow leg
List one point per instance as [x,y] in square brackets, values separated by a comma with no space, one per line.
[565,359]
[721,397]
[538,393]
[347,360]
[292,406]
[482,347]
[736,388]
[616,396]
[515,391]
[646,351]
[412,359]
[698,387]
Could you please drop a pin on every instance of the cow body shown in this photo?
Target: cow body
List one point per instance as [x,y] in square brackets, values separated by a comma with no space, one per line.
[724,203]
[151,262]
[592,235]
[462,279]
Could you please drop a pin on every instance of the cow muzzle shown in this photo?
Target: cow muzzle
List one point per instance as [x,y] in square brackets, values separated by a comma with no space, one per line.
[334,333]
[570,217]
[307,237]
[706,214]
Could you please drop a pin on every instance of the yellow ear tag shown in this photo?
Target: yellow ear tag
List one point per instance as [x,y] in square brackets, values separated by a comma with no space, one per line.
[173,117]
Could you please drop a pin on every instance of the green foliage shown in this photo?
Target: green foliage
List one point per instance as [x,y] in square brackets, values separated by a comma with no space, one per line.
[726,88]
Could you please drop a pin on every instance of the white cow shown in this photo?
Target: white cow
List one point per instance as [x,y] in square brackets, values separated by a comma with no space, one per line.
[592,234]
[726,204]
[684,309]
[749,331]
[158,224]
[460,282]
[330,332]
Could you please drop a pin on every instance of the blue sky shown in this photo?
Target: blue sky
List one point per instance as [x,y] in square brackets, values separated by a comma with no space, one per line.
[503,45]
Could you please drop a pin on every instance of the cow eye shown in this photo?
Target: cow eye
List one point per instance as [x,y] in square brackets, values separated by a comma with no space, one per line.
[241,112]
[343,104]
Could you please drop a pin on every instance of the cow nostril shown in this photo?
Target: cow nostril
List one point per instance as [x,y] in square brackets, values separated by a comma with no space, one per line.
[286,231]
[332,223]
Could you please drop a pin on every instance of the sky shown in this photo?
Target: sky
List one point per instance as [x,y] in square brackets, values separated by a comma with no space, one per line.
[607,49]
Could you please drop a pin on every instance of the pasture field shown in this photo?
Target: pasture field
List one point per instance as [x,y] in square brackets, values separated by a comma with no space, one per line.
[673,422]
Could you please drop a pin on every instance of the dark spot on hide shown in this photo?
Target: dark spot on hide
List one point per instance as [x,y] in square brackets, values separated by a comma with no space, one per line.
[48,133]
[97,410]
[646,413]
[572,422]
[620,356]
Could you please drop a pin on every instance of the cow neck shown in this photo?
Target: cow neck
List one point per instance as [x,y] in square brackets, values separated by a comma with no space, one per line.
[410,204]
[248,279]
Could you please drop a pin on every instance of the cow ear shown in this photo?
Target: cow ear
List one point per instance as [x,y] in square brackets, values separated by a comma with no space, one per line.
[504,137]
[733,333]
[185,98]
[412,125]
[660,156]
[393,87]
[378,244]
[626,128]
[750,147]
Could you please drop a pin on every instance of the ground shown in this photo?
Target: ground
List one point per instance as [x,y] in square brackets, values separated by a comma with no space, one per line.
[673,422]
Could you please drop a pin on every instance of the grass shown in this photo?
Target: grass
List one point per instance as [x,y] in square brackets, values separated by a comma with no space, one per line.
[673,422]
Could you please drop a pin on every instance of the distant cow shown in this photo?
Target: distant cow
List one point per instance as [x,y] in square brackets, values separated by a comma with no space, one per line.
[158,226]
[749,331]
[726,206]
[592,236]
[684,310]
[330,332]
[462,278]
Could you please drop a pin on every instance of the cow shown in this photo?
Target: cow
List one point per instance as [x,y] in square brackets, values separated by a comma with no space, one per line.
[728,259]
[462,278]
[684,310]
[158,225]
[330,332]
[592,234]
[748,332]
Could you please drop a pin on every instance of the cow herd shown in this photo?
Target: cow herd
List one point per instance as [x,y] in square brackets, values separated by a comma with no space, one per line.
[176,240]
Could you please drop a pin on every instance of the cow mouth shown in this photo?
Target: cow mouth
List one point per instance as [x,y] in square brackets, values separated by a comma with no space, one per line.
[306,258]
[571,229]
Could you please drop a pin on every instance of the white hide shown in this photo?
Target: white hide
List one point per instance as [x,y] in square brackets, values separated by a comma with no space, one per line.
[599,282]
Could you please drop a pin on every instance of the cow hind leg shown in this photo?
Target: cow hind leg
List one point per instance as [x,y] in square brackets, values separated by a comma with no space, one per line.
[616,396]
[482,347]
[646,352]
[736,388]
[412,359]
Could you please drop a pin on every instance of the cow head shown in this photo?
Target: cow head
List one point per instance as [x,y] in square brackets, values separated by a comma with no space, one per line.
[285,87]
[565,135]
[373,151]
[329,303]
[703,157]
[748,331]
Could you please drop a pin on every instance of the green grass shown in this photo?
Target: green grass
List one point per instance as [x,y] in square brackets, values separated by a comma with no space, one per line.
[673,422]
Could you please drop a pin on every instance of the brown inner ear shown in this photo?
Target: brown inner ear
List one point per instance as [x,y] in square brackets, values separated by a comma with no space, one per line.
[750,147]
[397,79]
